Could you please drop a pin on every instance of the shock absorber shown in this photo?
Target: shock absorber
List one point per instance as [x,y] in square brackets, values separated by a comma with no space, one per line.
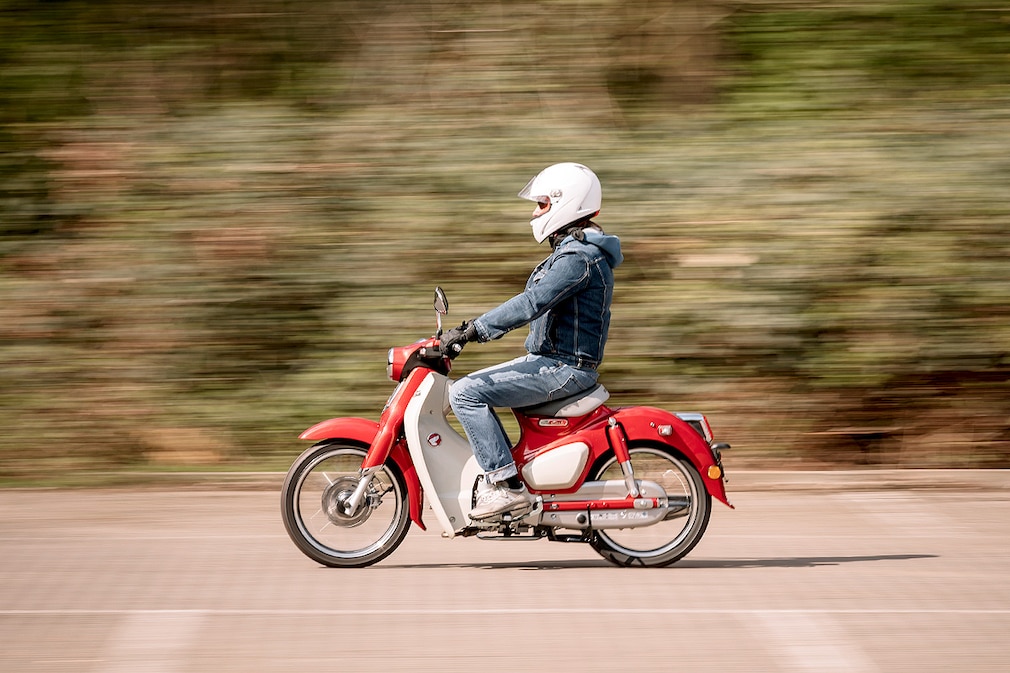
[619,444]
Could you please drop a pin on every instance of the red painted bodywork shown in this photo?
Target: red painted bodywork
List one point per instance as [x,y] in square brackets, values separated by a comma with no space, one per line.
[642,423]
[538,435]
[639,424]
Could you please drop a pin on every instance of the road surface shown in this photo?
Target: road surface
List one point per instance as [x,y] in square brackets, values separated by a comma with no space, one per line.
[848,578]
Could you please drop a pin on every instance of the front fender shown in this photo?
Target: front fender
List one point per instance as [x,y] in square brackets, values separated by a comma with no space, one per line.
[363,431]
[643,423]
[359,429]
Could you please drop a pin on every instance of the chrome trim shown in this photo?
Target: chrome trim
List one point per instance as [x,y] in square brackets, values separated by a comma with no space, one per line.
[352,504]
[629,478]
[696,421]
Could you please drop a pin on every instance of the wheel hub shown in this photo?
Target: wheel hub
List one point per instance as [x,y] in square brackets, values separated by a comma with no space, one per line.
[336,496]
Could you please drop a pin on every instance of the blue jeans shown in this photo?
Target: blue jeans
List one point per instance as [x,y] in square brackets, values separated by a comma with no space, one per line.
[525,381]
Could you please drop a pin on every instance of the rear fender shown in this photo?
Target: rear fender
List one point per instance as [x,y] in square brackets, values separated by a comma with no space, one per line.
[363,431]
[643,423]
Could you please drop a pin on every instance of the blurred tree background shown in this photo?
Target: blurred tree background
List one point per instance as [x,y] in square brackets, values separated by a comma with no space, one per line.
[215,217]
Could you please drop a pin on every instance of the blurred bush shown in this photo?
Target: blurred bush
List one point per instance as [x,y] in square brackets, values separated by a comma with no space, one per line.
[217,218]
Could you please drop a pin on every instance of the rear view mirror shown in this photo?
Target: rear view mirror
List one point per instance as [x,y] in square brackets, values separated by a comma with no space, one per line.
[441,302]
[441,307]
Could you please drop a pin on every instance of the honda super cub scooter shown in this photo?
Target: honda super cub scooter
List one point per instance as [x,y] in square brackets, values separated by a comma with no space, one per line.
[635,483]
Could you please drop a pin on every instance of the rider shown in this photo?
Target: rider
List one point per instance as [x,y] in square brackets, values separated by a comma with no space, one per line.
[567,306]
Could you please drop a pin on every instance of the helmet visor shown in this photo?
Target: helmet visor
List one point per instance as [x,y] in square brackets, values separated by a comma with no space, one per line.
[527,191]
[542,200]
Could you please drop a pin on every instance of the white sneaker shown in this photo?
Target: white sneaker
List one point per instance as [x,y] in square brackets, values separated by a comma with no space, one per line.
[499,499]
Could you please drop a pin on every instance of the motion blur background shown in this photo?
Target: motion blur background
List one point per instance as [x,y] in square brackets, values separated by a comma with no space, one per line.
[217,216]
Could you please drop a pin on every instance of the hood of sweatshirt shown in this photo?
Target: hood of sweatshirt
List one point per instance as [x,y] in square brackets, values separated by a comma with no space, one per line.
[610,245]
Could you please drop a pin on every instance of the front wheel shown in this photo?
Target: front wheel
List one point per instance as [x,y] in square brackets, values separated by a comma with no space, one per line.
[669,540]
[312,505]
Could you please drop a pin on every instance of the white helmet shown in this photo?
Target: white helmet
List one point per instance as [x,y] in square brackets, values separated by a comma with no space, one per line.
[565,193]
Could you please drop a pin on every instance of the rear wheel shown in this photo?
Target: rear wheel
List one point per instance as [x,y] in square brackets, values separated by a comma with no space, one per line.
[669,540]
[312,505]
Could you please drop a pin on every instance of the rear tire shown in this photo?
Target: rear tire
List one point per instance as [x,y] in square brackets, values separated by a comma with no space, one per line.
[669,540]
[315,486]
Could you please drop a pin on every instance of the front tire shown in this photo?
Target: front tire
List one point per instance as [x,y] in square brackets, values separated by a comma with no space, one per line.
[669,540]
[315,487]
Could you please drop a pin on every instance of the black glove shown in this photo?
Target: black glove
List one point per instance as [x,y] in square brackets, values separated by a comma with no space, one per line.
[454,340]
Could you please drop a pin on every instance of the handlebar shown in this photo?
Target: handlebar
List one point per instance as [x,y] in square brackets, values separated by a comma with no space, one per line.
[432,351]
[437,352]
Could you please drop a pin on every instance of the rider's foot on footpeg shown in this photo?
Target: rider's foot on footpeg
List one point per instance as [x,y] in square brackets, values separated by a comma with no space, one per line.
[500,499]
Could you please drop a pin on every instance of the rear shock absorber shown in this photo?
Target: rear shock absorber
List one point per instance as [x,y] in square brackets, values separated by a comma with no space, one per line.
[619,444]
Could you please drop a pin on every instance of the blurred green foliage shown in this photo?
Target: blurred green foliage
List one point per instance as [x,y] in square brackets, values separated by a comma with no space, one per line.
[216,217]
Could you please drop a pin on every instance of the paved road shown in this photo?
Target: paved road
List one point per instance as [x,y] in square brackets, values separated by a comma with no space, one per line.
[825,580]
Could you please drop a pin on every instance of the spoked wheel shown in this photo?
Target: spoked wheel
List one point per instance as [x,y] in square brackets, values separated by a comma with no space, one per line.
[669,540]
[313,501]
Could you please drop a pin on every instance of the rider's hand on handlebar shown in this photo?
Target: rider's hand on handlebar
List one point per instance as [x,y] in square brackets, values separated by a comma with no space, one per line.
[454,340]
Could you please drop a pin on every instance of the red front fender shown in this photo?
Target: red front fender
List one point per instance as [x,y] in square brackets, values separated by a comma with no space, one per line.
[363,431]
[359,429]
[643,423]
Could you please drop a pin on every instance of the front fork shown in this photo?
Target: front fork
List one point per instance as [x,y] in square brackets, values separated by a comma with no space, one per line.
[619,443]
[352,504]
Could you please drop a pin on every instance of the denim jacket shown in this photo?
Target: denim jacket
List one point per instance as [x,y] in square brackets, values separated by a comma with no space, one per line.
[566,302]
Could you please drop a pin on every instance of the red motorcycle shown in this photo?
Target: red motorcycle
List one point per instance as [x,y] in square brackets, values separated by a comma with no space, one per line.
[635,483]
